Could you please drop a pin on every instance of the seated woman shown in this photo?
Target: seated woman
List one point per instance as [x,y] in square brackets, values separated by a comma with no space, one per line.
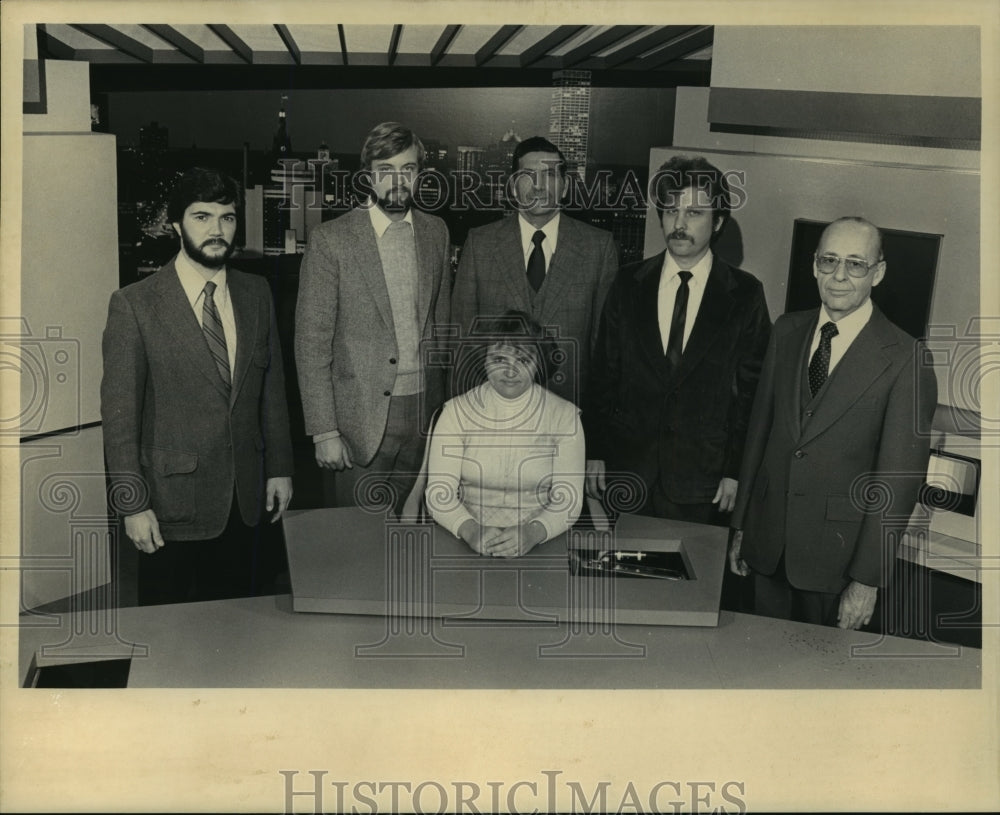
[506,459]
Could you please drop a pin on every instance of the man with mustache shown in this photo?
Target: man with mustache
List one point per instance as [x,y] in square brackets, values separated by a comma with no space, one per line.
[678,357]
[195,421]
[374,283]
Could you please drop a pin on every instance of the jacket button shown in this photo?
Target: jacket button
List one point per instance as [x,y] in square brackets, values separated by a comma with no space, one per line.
[387,393]
[799,454]
[392,360]
[809,413]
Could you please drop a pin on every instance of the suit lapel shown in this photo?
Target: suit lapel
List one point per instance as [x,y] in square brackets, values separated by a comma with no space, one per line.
[790,363]
[370,262]
[645,308]
[246,313]
[864,362]
[176,313]
[709,322]
[510,263]
[562,271]
[428,270]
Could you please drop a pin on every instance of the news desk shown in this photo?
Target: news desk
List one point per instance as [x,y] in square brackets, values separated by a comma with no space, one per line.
[264,642]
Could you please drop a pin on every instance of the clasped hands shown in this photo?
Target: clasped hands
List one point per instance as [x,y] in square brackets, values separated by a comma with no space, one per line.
[495,541]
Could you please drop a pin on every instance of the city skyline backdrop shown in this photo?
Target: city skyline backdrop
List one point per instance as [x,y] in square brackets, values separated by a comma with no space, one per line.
[624,122]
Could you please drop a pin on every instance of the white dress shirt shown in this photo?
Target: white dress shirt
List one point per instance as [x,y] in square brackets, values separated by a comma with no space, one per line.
[670,282]
[848,329]
[551,230]
[194,287]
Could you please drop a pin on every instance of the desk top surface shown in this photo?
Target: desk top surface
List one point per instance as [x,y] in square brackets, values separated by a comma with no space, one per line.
[261,642]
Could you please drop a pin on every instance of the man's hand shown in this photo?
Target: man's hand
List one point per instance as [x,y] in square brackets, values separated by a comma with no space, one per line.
[857,602]
[516,540]
[334,454]
[737,565]
[725,495]
[144,531]
[596,472]
[478,537]
[279,494]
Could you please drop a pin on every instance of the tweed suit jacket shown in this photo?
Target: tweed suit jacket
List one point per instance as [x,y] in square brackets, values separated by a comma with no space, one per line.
[825,477]
[345,338]
[492,278]
[173,440]
[685,427]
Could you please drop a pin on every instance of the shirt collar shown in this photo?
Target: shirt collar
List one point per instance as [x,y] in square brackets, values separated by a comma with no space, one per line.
[699,272]
[193,282]
[551,230]
[852,324]
[381,221]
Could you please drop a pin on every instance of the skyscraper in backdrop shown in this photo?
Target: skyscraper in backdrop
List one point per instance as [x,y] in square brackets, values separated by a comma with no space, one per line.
[569,118]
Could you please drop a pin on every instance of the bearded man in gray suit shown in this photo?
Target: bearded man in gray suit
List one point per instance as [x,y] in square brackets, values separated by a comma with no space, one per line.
[373,284]
[193,407]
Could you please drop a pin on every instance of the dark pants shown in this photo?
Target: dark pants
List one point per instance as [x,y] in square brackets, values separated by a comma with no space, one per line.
[241,562]
[774,596]
[389,477]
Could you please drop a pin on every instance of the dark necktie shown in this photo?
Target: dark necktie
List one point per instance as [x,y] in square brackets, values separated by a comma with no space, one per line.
[211,326]
[536,262]
[675,342]
[819,365]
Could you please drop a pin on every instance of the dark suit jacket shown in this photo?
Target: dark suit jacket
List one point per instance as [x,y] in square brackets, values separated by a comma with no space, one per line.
[345,338]
[491,279]
[820,475]
[172,439]
[686,426]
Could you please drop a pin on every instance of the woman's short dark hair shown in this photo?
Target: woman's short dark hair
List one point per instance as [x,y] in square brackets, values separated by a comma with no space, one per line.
[517,330]
[680,172]
[387,140]
[202,184]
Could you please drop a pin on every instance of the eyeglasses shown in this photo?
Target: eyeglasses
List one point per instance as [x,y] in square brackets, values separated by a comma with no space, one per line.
[828,264]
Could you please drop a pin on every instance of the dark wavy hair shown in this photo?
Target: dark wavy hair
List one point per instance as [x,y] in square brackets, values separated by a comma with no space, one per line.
[536,144]
[680,172]
[203,184]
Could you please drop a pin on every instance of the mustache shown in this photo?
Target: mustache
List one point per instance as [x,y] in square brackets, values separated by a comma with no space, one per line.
[216,242]
[678,235]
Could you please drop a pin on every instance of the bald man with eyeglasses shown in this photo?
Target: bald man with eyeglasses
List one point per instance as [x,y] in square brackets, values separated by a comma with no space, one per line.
[837,446]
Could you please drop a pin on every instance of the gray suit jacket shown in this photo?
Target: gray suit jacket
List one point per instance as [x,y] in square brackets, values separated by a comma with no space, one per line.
[491,279]
[827,478]
[345,339]
[172,439]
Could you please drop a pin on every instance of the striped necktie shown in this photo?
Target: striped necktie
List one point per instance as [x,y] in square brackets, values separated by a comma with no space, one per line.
[211,326]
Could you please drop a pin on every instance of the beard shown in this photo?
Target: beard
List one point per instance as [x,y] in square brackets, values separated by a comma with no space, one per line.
[198,255]
[395,199]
